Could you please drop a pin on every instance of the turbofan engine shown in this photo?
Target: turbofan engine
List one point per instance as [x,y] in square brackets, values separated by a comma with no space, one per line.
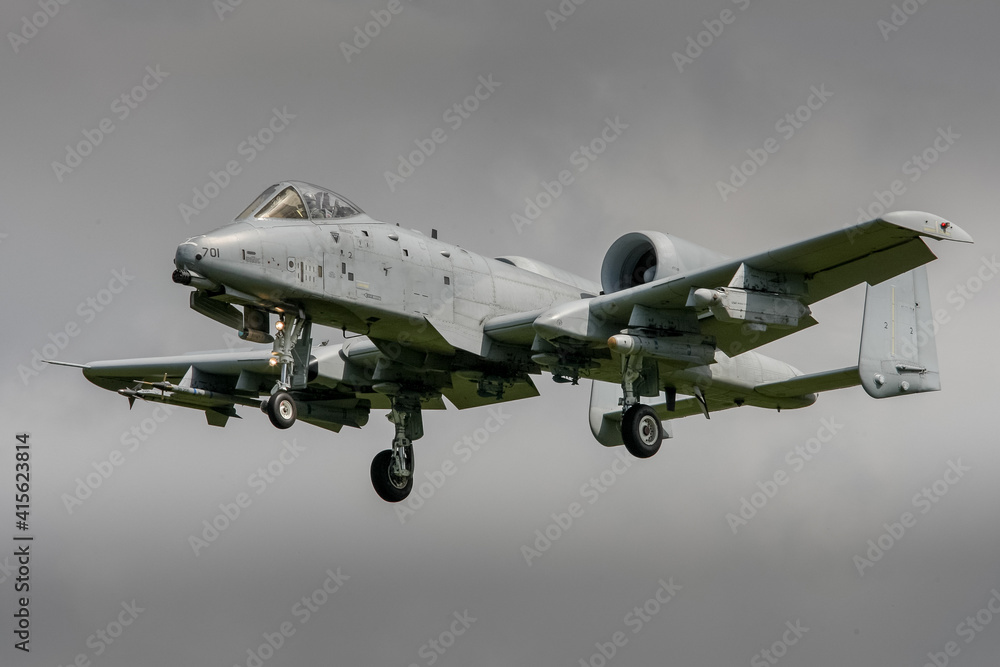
[644,257]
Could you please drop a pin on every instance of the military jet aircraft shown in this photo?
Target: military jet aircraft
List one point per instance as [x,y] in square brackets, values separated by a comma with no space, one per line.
[426,320]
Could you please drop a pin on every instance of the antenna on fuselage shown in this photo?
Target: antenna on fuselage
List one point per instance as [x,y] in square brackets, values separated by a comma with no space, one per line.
[434,233]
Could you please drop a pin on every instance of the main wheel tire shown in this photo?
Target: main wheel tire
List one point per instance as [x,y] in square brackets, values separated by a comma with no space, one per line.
[642,431]
[390,488]
[281,409]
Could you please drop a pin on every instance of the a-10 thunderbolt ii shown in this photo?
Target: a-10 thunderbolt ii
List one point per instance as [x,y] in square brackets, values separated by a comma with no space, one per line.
[669,332]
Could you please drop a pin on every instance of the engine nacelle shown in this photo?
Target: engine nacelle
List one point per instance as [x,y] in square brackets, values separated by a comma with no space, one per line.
[644,257]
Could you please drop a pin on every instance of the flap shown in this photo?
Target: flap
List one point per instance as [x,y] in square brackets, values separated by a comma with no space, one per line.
[464,392]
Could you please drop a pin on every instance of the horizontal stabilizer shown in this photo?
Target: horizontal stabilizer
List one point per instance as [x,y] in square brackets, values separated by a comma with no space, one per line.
[813,383]
[898,351]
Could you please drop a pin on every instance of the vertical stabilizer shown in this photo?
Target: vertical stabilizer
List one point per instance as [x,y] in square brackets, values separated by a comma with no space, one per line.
[898,351]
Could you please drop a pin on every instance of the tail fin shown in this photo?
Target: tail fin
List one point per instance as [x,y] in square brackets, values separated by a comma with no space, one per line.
[898,351]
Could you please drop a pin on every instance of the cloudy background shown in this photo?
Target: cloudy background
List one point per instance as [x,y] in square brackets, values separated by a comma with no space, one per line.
[403,579]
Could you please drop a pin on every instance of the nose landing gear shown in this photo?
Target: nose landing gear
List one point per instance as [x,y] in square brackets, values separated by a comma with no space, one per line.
[291,349]
[280,409]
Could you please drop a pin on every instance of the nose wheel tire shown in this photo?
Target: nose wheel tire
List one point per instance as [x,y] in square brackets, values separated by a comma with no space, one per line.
[281,409]
[391,486]
[642,431]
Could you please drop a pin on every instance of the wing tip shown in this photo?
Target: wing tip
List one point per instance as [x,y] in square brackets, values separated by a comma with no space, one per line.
[928,224]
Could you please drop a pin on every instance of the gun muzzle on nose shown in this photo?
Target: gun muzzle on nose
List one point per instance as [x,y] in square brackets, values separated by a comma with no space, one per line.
[186,277]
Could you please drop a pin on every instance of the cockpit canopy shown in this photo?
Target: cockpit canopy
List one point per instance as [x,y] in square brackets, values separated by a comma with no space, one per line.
[295,200]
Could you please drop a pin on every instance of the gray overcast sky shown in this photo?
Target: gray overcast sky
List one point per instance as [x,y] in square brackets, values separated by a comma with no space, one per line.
[221,76]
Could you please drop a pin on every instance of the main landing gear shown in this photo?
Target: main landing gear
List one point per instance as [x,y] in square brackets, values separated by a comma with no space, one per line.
[392,469]
[642,430]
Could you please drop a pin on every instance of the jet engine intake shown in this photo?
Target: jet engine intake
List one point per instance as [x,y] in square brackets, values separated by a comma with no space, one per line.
[638,258]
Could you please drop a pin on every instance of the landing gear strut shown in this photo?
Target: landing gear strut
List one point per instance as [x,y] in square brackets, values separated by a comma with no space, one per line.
[392,469]
[642,431]
[292,345]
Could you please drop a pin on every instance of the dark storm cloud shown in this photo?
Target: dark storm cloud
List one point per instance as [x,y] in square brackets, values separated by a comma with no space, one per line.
[353,114]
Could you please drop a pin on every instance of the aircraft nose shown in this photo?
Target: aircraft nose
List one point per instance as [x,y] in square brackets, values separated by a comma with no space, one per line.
[187,261]
[188,253]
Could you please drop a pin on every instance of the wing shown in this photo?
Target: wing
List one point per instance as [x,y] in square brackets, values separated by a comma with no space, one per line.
[748,302]
[868,252]
[344,382]
[691,329]
[216,382]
